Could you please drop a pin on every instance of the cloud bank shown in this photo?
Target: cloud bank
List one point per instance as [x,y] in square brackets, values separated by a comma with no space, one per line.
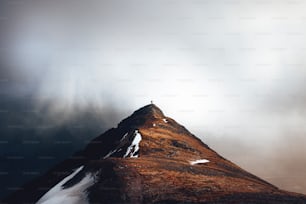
[233,72]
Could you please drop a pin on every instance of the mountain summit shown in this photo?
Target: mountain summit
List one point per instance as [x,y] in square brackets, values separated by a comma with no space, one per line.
[149,158]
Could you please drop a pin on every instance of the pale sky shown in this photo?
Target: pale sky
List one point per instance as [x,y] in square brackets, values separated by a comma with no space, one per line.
[232,72]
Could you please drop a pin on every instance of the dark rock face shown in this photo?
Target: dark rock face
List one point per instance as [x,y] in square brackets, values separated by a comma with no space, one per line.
[149,158]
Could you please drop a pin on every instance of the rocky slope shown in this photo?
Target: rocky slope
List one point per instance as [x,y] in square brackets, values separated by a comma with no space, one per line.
[149,158]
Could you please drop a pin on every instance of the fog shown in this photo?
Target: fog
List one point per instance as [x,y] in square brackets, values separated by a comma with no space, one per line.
[232,72]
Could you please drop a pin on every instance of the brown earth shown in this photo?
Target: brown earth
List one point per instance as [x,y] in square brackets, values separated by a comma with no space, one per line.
[162,172]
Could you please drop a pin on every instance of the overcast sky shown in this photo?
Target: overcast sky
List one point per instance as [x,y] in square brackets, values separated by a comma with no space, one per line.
[232,72]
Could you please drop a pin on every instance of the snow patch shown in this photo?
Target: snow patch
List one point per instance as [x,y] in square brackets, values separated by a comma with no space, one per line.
[134,147]
[200,161]
[165,120]
[154,124]
[58,187]
[73,195]
[116,150]
[110,153]
[124,136]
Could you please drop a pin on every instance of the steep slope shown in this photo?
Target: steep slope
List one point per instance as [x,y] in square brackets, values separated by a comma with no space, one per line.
[149,158]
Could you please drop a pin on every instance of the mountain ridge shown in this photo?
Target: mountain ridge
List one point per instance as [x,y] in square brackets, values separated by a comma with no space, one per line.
[150,158]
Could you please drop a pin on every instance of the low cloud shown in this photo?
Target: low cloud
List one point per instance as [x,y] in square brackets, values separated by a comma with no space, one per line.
[236,78]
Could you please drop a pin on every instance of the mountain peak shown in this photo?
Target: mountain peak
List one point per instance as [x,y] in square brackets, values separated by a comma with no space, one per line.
[145,114]
[149,158]
[149,110]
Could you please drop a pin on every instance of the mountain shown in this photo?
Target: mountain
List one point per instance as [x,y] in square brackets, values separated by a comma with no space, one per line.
[149,158]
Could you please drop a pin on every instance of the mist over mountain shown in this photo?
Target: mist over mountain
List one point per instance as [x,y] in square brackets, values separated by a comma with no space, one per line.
[231,71]
[30,134]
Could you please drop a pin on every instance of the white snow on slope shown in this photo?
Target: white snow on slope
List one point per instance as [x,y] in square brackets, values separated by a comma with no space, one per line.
[124,136]
[116,150]
[134,147]
[75,194]
[165,120]
[110,153]
[200,161]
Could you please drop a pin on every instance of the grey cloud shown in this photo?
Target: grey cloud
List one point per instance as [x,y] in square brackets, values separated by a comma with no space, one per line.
[233,70]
